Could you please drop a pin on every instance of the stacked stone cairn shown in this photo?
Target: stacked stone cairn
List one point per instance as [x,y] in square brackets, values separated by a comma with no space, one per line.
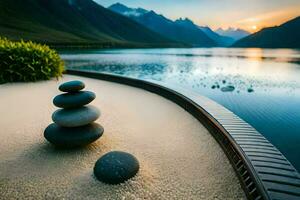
[74,126]
[74,123]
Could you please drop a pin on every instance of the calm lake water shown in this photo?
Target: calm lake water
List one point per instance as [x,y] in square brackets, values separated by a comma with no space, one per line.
[261,86]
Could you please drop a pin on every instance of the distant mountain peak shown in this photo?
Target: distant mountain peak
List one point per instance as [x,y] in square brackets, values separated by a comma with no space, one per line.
[184,19]
[152,12]
[235,33]
[124,10]
[120,6]
[186,22]
[142,10]
[220,40]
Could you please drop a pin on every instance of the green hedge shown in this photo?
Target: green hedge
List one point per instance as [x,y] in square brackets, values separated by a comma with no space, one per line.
[27,61]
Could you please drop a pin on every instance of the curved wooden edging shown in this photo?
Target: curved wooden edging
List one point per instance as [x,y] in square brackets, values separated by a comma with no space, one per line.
[263,171]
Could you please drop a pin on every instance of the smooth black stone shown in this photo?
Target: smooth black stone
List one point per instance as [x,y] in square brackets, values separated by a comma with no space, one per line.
[250,90]
[71,86]
[73,137]
[228,88]
[116,167]
[73,100]
[76,116]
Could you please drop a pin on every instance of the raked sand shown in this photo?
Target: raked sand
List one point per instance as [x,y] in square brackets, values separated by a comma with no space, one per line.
[179,159]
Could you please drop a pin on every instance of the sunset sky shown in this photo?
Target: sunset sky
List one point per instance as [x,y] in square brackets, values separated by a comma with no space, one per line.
[250,15]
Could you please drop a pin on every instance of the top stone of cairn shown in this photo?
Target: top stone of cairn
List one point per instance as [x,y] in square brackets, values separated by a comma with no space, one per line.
[72,86]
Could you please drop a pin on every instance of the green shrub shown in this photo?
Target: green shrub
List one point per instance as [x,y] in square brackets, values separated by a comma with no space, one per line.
[27,61]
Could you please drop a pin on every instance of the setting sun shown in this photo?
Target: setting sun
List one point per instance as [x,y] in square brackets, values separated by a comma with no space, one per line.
[254,27]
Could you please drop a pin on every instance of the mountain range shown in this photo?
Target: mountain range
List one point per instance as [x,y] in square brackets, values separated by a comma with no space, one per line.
[73,22]
[221,40]
[86,23]
[178,30]
[235,34]
[286,35]
[181,30]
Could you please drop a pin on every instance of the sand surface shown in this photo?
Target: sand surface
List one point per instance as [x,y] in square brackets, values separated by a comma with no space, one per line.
[179,159]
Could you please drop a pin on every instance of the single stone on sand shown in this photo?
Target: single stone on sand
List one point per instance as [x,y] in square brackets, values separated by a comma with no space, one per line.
[73,100]
[116,167]
[76,116]
[72,86]
[73,137]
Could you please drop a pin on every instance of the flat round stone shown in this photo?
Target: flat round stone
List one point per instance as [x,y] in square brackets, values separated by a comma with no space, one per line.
[116,167]
[73,137]
[228,88]
[71,86]
[76,116]
[73,100]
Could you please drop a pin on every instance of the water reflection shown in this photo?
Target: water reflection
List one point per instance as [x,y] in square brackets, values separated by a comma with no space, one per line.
[262,86]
